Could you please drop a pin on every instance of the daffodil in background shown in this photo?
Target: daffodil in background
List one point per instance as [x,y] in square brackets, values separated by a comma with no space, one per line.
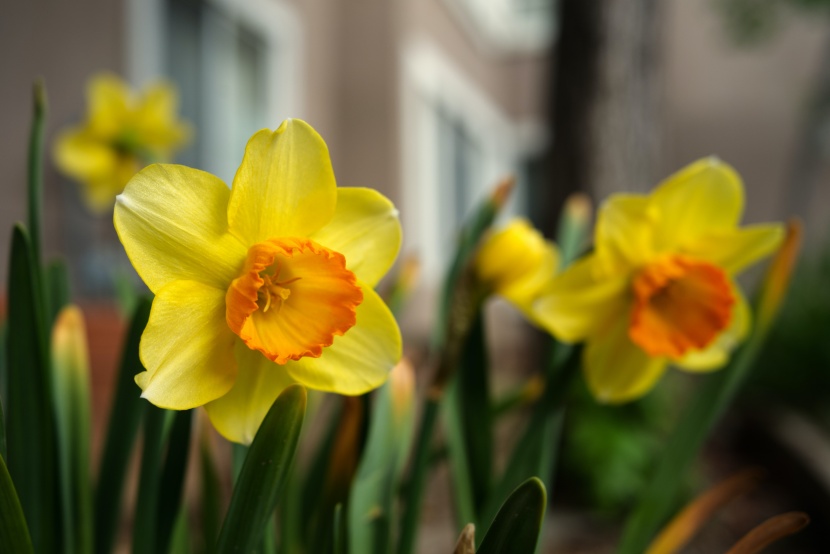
[659,286]
[262,285]
[517,263]
[123,132]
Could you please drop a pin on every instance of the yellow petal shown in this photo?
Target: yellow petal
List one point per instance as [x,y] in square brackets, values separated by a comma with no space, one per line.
[285,185]
[736,249]
[187,348]
[616,369]
[704,197]
[717,354]
[172,222]
[366,230]
[109,100]
[238,414]
[81,156]
[156,117]
[624,236]
[361,359]
[516,262]
[581,300]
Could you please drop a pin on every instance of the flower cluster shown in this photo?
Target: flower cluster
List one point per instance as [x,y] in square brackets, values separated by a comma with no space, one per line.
[122,133]
[271,282]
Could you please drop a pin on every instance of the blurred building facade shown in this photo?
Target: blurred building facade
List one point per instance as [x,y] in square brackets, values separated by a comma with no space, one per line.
[429,101]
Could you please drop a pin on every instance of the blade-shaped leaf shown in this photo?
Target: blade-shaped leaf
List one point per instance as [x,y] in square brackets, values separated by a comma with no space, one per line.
[211,497]
[263,474]
[456,310]
[31,436]
[469,426]
[35,173]
[125,415]
[172,478]
[535,453]
[145,528]
[57,288]
[14,534]
[372,497]
[518,523]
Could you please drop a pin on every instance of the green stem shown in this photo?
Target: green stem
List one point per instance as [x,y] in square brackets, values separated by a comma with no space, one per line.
[35,188]
[146,506]
[414,489]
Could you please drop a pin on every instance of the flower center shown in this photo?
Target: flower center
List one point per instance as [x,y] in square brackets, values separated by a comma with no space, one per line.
[292,298]
[680,304]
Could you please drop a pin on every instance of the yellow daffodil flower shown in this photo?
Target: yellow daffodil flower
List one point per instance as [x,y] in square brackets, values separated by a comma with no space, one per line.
[123,132]
[659,286]
[517,263]
[261,285]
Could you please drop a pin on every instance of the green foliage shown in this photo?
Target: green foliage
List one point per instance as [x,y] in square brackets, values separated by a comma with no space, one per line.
[264,472]
[607,451]
[794,367]
[125,416]
[518,523]
[14,534]
[30,417]
[752,21]
[372,498]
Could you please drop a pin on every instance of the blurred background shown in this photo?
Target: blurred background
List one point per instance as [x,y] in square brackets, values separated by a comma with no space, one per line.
[432,102]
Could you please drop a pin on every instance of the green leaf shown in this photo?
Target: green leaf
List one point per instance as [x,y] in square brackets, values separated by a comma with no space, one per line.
[57,288]
[31,436]
[180,541]
[211,495]
[469,426]
[145,529]
[35,185]
[456,309]
[461,465]
[315,477]
[535,453]
[518,524]
[2,429]
[340,472]
[339,531]
[172,478]
[72,401]
[263,474]
[290,524]
[125,417]
[372,498]
[14,534]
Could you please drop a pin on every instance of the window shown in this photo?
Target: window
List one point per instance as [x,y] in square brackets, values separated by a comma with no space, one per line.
[509,25]
[235,63]
[456,146]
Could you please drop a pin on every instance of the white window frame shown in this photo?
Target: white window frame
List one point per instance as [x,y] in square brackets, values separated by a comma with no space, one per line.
[430,78]
[497,26]
[279,26]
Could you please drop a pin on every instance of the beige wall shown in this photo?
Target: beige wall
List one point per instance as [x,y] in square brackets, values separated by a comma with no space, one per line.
[64,42]
[743,104]
[515,83]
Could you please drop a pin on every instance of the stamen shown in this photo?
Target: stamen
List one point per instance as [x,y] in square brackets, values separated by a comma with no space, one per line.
[323,300]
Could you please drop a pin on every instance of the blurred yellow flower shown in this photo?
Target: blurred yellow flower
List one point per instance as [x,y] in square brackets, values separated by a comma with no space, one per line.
[123,132]
[658,287]
[517,263]
[263,285]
